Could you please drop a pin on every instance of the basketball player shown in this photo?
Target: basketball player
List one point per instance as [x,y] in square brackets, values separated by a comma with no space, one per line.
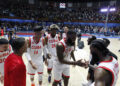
[15,70]
[36,46]
[51,40]
[90,76]
[107,42]
[65,32]
[48,31]
[5,50]
[64,51]
[106,74]
[95,61]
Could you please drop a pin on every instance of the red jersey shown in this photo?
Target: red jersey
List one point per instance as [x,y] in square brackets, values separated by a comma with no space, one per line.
[15,71]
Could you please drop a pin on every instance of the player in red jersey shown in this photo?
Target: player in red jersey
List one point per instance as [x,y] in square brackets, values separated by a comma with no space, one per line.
[15,70]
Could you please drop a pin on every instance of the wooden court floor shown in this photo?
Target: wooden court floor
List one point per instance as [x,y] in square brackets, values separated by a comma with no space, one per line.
[77,74]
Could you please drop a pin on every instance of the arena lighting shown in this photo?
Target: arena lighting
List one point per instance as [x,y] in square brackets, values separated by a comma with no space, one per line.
[112,9]
[106,10]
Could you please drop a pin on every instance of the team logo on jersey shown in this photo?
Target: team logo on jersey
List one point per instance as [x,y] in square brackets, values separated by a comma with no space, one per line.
[36,47]
[52,41]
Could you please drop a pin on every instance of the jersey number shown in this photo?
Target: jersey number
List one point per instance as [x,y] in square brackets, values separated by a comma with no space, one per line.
[53,45]
[36,52]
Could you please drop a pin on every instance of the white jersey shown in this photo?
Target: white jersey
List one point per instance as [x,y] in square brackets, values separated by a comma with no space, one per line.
[36,50]
[4,55]
[67,50]
[64,36]
[52,44]
[46,33]
[111,66]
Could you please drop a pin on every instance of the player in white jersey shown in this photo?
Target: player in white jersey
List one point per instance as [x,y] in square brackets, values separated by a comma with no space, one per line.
[36,46]
[5,50]
[65,32]
[51,40]
[64,51]
[106,74]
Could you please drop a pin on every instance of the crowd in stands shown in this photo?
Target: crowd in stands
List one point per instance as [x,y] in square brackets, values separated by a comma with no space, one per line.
[100,30]
[28,27]
[57,14]
[52,14]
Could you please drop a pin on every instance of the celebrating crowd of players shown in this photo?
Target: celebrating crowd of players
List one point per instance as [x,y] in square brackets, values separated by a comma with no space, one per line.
[56,50]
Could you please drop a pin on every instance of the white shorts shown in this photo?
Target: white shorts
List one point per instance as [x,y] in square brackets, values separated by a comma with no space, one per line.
[39,70]
[60,70]
[2,68]
[50,64]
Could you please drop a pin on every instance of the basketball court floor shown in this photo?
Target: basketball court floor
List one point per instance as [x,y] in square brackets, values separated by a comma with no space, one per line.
[77,74]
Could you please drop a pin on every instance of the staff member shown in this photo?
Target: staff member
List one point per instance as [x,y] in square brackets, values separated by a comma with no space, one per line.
[15,70]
